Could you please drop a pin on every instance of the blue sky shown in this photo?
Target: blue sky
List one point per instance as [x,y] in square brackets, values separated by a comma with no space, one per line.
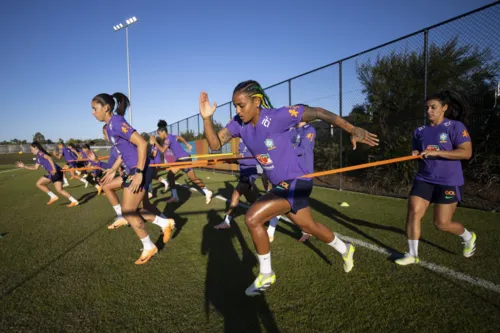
[56,55]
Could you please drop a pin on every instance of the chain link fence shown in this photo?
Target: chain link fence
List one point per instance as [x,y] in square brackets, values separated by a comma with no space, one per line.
[383,90]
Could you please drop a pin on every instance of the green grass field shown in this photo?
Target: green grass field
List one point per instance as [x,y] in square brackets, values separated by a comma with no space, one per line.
[62,270]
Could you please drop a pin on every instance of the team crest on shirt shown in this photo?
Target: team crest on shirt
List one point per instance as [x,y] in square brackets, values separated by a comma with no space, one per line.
[432,147]
[443,138]
[265,161]
[269,144]
[310,136]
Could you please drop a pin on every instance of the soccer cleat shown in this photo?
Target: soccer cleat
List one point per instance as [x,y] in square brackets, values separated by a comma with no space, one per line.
[261,284]
[470,246]
[223,225]
[52,200]
[118,223]
[348,258]
[86,184]
[304,237]
[65,184]
[72,204]
[146,255]
[208,197]
[167,232]
[407,260]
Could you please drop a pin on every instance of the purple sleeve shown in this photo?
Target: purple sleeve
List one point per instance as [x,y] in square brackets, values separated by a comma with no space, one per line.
[287,117]
[234,127]
[459,134]
[306,142]
[122,129]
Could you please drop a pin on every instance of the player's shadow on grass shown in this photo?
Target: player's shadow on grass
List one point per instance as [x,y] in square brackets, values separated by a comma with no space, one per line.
[227,277]
[86,198]
[352,224]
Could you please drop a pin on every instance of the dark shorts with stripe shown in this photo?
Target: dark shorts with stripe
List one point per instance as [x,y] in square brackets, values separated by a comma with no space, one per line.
[73,164]
[435,193]
[295,191]
[248,175]
[57,177]
[185,160]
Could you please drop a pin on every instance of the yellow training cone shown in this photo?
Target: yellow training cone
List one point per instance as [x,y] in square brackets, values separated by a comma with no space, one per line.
[344,204]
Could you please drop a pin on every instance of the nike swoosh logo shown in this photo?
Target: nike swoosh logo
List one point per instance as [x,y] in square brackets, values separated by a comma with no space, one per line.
[447,197]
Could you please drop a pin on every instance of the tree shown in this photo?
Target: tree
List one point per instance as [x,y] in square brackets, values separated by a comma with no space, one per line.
[394,86]
[39,137]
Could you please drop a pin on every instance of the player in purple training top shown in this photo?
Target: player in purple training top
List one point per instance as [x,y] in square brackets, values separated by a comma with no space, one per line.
[54,175]
[265,132]
[70,158]
[302,137]
[133,154]
[439,180]
[170,142]
[154,158]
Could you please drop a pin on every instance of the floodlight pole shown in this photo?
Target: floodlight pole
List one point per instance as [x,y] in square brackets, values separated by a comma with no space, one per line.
[118,27]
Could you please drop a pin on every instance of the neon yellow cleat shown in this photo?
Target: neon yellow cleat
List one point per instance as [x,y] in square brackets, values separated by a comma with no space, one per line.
[470,247]
[348,259]
[261,284]
[407,260]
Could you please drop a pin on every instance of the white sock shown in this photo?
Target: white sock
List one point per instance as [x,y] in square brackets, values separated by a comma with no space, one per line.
[227,219]
[164,181]
[466,236]
[272,226]
[206,191]
[78,172]
[265,263]
[118,210]
[83,180]
[413,247]
[51,195]
[65,180]
[97,186]
[147,243]
[72,199]
[174,193]
[338,245]
[161,222]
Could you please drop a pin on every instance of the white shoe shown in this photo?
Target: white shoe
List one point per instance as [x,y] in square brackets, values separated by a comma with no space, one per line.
[65,184]
[470,246]
[349,258]
[261,284]
[223,225]
[208,197]
[407,260]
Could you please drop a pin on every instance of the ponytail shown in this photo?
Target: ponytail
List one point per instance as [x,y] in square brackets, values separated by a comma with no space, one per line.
[122,102]
[458,108]
[36,144]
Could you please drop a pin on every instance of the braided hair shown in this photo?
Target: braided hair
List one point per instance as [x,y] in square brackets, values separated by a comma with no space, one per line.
[253,89]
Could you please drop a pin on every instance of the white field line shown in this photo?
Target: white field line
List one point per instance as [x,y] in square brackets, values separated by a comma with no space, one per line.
[10,170]
[428,265]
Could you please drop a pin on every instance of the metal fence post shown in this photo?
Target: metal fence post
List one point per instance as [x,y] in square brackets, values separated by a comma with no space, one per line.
[426,65]
[340,132]
[199,132]
[290,92]
[230,111]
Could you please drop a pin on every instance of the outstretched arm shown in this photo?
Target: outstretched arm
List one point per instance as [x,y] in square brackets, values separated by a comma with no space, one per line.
[357,134]
[215,140]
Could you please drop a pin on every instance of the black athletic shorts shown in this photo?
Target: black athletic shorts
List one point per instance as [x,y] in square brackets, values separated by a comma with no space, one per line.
[434,193]
[295,191]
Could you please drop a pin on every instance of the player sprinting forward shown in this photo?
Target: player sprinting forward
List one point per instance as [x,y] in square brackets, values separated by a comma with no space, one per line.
[172,144]
[70,157]
[93,161]
[439,180]
[55,175]
[302,137]
[265,132]
[133,150]
[154,158]
[246,186]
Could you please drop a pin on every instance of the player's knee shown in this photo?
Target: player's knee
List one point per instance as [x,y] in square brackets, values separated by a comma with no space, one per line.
[441,224]
[252,221]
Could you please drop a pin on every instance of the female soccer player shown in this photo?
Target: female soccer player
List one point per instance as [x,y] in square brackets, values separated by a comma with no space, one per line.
[133,150]
[154,158]
[172,144]
[70,157]
[265,132]
[54,175]
[439,180]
